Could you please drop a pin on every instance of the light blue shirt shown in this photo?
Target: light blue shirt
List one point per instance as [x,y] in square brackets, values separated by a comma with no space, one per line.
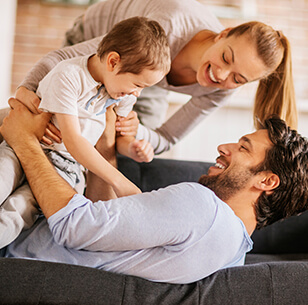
[178,234]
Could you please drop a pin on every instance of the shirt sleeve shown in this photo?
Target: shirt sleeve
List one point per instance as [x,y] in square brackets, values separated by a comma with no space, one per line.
[132,223]
[59,93]
[182,122]
[49,61]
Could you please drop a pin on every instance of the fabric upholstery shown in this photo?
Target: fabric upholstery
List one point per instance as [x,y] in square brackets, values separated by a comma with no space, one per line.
[35,282]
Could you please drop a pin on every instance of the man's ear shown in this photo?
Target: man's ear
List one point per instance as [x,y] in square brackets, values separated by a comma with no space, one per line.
[113,60]
[267,182]
[222,34]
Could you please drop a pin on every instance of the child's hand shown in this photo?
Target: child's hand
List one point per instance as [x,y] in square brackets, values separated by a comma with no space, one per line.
[141,151]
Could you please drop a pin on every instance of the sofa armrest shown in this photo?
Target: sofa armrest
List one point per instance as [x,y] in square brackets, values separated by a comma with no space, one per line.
[286,236]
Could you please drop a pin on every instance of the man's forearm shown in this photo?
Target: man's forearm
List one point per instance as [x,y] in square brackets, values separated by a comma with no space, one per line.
[22,129]
[50,190]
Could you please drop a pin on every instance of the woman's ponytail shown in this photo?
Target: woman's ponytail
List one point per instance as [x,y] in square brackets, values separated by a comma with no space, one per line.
[275,93]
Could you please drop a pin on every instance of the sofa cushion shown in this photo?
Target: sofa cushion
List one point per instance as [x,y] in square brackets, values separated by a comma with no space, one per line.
[37,282]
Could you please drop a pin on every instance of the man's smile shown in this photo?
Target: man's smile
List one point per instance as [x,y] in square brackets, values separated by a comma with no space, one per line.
[219,165]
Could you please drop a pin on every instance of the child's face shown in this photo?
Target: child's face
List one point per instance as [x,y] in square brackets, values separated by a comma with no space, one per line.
[119,85]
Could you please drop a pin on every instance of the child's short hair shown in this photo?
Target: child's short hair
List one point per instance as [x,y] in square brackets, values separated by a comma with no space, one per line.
[140,42]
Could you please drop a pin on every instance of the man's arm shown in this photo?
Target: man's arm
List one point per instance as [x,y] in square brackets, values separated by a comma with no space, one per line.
[22,130]
[84,153]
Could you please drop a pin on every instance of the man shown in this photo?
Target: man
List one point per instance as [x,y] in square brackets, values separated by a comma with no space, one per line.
[178,234]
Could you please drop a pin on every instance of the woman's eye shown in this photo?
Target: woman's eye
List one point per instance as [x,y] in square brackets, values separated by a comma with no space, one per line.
[224,58]
[236,81]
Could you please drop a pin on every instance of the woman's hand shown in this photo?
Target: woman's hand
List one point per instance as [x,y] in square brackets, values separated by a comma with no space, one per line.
[29,99]
[52,134]
[32,102]
[127,126]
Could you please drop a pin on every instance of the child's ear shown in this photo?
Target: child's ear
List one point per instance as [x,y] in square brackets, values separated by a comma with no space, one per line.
[113,60]
[267,182]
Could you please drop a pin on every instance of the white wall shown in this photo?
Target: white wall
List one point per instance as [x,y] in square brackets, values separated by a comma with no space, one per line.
[226,124]
[7,25]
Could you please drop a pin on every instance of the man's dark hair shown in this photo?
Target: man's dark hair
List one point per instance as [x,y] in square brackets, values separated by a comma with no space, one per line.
[288,159]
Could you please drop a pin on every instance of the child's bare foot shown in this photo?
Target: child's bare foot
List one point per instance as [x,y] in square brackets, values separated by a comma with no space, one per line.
[141,151]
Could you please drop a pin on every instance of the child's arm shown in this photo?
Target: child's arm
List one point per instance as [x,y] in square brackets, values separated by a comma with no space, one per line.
[85,153]
[138,150]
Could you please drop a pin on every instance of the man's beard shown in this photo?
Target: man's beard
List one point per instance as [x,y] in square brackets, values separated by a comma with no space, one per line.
[226,185]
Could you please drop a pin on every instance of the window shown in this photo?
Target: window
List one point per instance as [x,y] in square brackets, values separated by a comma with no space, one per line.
[232,8]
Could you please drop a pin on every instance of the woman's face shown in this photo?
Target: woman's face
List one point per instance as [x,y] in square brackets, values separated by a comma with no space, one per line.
[229,63]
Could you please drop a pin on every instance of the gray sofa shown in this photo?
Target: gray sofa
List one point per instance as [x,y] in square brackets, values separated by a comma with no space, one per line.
[276,270]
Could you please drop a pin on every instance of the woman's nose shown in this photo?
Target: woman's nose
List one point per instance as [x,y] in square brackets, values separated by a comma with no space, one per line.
[222,74]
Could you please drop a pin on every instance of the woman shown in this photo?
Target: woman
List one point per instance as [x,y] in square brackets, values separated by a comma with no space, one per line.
[208,62]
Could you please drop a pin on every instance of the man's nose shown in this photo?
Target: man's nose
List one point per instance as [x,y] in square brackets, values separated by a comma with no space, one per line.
[225,149]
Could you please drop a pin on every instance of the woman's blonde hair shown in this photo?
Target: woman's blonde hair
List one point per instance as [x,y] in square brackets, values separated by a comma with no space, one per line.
[275,93]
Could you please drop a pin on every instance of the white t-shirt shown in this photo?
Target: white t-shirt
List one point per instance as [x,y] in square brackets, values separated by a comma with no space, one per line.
[70,89]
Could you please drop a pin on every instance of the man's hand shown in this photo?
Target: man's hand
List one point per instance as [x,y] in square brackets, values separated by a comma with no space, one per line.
[32,102]
[127,126]
[21,125]
[23,130]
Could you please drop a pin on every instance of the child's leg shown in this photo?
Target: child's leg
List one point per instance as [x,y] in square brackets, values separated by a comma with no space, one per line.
[11,173]
[18,212]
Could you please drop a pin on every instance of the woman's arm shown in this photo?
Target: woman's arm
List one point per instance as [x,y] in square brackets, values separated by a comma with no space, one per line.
[43,66]
[84,153]
[182,122]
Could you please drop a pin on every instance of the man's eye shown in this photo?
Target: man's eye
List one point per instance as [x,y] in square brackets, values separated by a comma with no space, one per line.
[243,147]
